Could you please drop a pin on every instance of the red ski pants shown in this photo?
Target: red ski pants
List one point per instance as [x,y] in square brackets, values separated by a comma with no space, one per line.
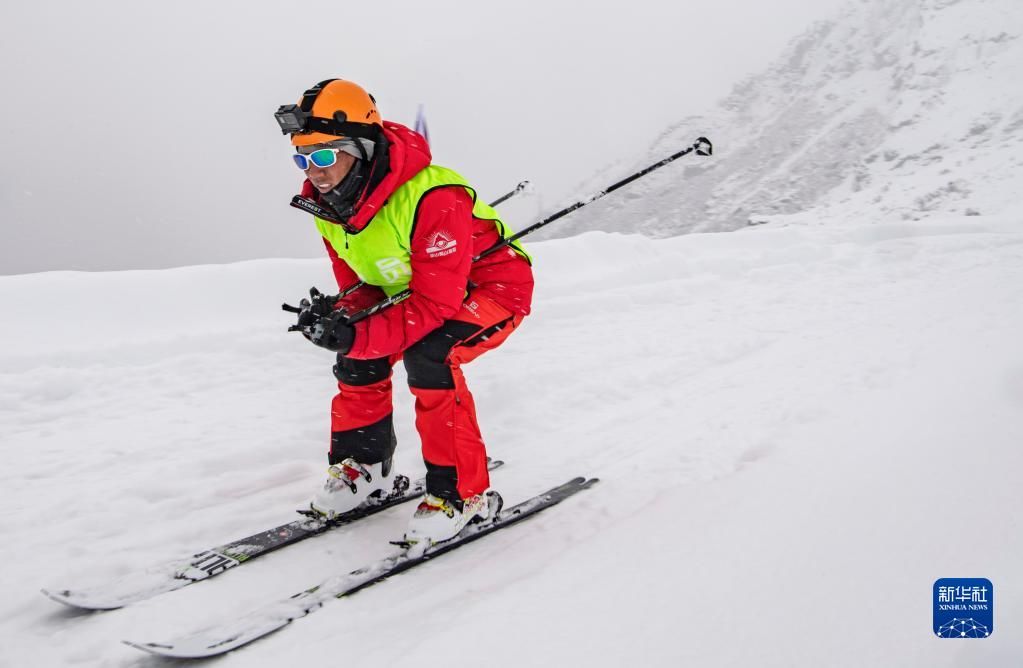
[453,449]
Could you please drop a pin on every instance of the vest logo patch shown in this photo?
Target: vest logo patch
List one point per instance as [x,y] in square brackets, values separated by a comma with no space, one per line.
[393,269]
[441,244]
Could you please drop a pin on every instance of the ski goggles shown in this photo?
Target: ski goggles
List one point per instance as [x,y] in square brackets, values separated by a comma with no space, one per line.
[324,157]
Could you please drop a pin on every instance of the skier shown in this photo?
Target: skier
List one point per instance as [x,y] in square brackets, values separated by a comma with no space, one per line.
[399,222]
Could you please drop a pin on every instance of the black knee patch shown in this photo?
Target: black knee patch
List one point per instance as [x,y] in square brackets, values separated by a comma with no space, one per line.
[425,360]
[371,444]
[362,372]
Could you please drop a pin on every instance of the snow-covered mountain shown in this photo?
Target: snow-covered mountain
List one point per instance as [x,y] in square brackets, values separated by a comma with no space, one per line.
[895,110]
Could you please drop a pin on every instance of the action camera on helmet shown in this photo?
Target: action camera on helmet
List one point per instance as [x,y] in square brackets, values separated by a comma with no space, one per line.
[291,118]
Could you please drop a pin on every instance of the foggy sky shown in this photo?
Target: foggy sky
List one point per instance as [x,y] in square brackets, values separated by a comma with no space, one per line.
[141,135]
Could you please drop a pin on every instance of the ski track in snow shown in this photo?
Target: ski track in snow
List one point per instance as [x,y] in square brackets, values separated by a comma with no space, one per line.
[797,430]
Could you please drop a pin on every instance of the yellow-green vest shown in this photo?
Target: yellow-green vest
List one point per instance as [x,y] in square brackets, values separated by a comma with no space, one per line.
[379,254]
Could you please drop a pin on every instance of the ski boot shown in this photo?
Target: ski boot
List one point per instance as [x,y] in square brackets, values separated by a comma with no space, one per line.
[437,520]
[350,484]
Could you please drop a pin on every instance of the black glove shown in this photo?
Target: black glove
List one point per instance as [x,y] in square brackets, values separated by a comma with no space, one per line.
[332,332]
[310,311]
[321,323]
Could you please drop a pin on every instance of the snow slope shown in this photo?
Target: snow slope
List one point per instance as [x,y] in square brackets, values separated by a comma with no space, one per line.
[894,110]
[798,430]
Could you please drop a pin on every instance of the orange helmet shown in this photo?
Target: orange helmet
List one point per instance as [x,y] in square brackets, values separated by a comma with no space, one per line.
[331,110]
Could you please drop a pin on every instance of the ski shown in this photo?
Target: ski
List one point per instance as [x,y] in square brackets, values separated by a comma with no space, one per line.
[209,563]
[236,633]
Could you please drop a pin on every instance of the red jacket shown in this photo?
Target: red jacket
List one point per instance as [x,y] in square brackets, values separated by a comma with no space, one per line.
[439,280]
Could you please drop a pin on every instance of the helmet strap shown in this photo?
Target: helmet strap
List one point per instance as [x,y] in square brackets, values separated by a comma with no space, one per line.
[338,125]
[381,164]
[309,97]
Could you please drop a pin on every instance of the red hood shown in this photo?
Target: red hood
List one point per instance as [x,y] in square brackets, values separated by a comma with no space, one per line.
[409,154]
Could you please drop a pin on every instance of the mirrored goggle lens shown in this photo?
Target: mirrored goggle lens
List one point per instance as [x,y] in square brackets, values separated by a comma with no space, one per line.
[301,161]
[323,158]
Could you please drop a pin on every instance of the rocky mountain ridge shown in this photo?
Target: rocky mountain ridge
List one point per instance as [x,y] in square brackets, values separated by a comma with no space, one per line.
[895,110]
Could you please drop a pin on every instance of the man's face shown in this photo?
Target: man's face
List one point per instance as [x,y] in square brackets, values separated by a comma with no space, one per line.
[325,179]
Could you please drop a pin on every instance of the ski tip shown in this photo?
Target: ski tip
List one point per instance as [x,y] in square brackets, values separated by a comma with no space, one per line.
[58,596]
[577,483]
[494,463]
[67,597]
[139,645]
[168,651]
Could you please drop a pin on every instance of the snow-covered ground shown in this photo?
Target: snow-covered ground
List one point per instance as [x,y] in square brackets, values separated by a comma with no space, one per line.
[797,430]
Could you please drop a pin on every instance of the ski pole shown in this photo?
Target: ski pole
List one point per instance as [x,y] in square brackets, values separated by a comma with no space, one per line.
[312,207]
[702,146]
[508,195]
